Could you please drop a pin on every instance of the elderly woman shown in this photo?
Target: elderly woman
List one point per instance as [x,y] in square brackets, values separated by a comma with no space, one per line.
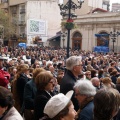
[84,93]
[7,111]
[30,91]
[106,104]
[60,107]
[45,84]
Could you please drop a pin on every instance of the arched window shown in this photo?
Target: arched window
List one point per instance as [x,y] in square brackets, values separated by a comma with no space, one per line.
[77,34]
[76,41]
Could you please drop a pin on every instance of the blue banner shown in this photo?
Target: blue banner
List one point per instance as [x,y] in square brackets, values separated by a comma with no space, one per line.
[102,49]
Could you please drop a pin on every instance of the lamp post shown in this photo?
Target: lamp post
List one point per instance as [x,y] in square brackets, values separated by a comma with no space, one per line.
[114,34]
[67,10]
[63,35]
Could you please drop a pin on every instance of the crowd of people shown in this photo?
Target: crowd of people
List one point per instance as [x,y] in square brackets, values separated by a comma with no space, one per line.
[42,84]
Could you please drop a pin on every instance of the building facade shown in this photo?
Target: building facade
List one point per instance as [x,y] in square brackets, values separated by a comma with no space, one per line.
[84,36]
[115,7]
[21,11]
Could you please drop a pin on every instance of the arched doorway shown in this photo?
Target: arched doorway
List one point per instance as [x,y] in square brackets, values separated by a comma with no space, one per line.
[76,41]
[103,39]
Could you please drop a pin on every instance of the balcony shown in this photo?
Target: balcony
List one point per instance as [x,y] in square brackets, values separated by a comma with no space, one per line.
[22,11]
[21,23]
[4,5]
[14,21]
[14,11]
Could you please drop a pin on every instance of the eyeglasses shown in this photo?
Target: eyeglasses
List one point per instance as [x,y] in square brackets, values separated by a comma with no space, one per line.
[76,94]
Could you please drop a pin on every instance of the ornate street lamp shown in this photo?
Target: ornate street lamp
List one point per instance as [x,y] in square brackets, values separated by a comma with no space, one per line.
[114,34]
[67,11]
[63,35]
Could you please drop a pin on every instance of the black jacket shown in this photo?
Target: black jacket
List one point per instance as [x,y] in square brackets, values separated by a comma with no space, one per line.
[30,91]
[67,84]
[41,99]
[21,81]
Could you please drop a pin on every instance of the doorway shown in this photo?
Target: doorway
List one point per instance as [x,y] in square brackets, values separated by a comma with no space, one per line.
[77,41]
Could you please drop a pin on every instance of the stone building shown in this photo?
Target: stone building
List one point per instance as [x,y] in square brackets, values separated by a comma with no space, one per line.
[83,37]
[44,13]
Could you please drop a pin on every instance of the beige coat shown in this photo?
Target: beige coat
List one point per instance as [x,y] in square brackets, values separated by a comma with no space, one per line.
[12,114]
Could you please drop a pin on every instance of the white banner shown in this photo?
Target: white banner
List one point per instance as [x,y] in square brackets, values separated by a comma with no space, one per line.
[37,27]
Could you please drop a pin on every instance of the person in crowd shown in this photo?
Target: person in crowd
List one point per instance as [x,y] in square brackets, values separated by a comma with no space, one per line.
[93,73]
[74,68]
[43,64]
[4,75]
[89,66]
[113,64]
[118,84]
[110,69]
[118,66]
[12,72]
[114,75]
[22,79]
[107,82]
[84,93]
[45,84]
[17,85]
[60,72]
[96,83]
[48,64]
[88,75]
[60,107]
[100,73]
[105,71]
[56,89]
[81,75]
[52,70]
[30,91]
[106,104]
[7,110]
[95,66]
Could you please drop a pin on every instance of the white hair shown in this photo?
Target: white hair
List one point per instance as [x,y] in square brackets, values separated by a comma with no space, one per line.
[72,61]
[85,87]
[49,62]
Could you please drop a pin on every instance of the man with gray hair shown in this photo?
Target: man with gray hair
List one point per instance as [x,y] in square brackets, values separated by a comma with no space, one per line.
[96,82]
[84,93]
[74,68]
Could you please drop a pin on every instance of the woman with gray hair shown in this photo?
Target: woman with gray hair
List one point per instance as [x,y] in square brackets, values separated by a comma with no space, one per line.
[74,68]
[84,93]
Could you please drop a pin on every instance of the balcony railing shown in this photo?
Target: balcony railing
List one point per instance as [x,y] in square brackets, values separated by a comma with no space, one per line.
[4,1]
[21,23]
[14,11]
[22,11]
[4,5]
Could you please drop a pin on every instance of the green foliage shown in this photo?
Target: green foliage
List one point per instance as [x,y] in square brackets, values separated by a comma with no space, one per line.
[9,28]
[68,25]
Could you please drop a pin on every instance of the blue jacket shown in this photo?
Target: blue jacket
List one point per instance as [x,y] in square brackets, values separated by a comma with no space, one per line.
[87,112]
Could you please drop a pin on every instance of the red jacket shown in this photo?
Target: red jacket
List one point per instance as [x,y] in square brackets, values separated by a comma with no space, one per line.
[4,78]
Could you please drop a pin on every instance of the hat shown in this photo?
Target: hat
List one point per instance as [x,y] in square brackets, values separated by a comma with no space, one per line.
[57,103]
[2,58]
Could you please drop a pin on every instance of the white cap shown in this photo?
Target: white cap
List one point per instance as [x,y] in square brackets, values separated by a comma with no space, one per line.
[3,58]
[57,103]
